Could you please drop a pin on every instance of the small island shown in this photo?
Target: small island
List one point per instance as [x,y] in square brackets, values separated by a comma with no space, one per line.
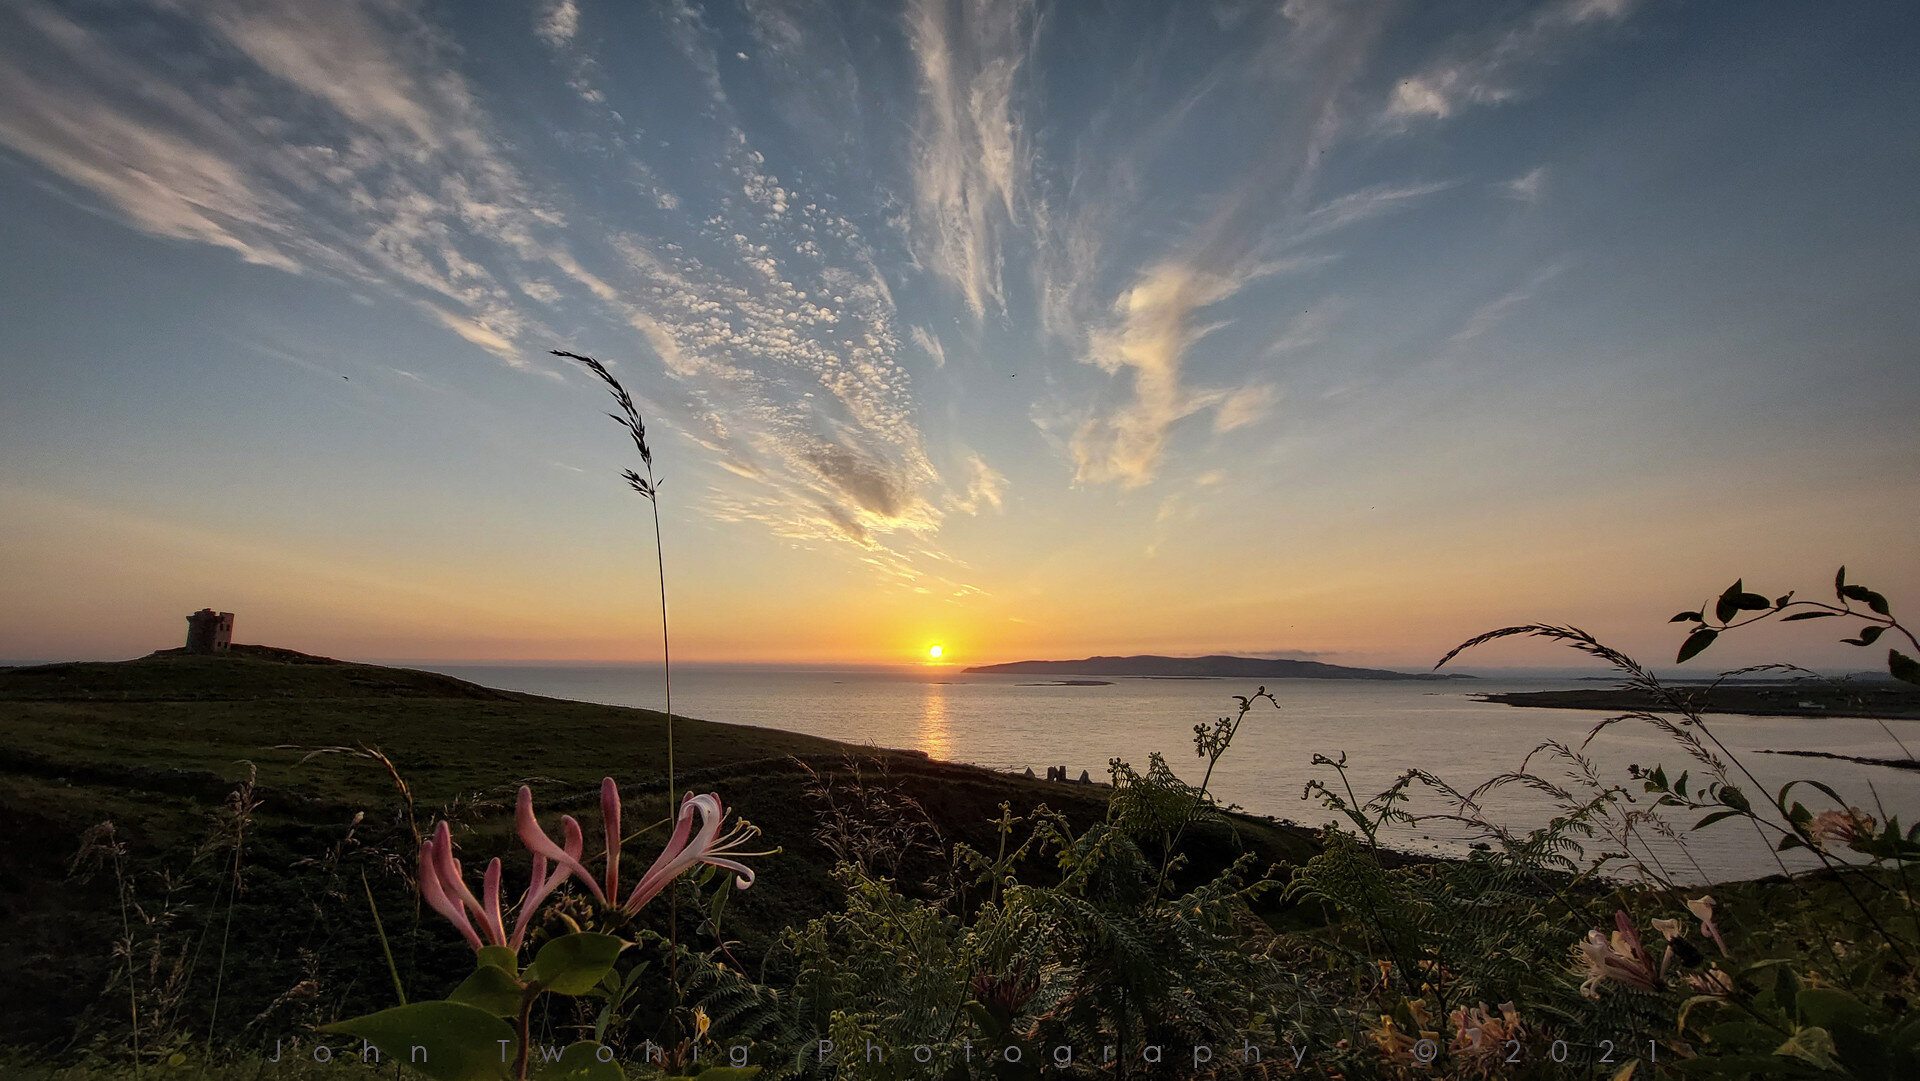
[1212,667]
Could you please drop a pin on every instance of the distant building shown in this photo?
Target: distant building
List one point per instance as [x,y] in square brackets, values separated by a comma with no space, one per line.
[209,631]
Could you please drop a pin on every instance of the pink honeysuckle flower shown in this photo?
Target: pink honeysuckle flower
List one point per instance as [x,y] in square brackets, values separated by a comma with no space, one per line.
[443,886]
[1714,981]
[686,848]
[537,842]
[1620,958]
[1703,908]
[1848,828]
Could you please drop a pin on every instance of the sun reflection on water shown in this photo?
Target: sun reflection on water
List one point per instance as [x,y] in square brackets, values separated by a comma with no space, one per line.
[934,736]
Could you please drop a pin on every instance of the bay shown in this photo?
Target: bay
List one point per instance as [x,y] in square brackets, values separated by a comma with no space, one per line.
[1383,728]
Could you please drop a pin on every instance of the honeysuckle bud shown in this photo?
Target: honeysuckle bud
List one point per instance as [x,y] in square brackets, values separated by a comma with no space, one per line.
[435,894]
[610,824]
[536,840]
[490,890]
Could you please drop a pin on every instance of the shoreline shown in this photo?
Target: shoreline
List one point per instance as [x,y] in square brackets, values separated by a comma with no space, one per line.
[1878,702]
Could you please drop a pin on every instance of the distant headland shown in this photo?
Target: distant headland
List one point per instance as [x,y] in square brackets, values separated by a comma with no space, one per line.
[1200,668]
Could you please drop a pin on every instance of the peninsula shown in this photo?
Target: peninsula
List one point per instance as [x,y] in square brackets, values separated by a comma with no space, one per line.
[1199,667]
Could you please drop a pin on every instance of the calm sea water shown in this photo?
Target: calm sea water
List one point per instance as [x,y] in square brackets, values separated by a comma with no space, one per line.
[1383,728]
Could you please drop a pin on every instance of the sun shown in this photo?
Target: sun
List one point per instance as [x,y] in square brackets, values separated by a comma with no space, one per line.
[934,652]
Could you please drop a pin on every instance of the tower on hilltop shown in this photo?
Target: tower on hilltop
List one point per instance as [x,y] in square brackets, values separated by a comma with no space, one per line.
[209,631]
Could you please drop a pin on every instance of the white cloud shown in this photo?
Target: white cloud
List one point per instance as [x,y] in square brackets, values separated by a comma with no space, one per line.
[1248,405]
[1491,314]
[1530,187]
[1494,65]
[558,22]
[1303,68]
[971,157]
[391,179]
[1310,328]
[930,345]
[1153,332]
[985,487]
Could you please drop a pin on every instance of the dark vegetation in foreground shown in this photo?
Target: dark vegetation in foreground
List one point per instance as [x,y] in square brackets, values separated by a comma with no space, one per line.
[159,747]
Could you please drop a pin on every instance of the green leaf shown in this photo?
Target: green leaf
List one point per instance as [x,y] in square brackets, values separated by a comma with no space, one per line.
[1839,582]
[1699,640]
[457,1042]
[582,1062]
[1867,635]
[573,964]
[1712,818]
[1686,617]
[1728,605]
[492,989]
[1752,602]
[1861,593]
[1789,842]
[499,957]
[1831,1009]
[1734,798]
[1812,1044]
[1807,615]
[727,1073]
[1902,667]
[1825,789]
[1782,602]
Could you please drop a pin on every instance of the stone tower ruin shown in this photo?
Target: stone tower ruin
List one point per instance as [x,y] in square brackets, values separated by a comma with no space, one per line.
[209,631]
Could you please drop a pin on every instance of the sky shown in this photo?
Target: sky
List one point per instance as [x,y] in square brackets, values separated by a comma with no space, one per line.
[1334,330]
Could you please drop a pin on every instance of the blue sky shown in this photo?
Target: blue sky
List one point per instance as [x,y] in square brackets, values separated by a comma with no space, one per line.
[1336,329]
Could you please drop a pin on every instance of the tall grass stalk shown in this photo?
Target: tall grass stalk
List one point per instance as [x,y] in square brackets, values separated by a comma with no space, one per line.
[649,487]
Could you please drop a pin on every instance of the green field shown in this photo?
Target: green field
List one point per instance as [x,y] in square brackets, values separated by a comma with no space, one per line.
[158,746]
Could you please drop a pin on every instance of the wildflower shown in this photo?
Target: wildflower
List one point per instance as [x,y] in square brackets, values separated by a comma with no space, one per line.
[1703,908]
[1005,994]
[610,827]
[443,886]
[1677,946]
[1620,958]
[686,848]
[1480,1037]
[1396,1042]
[1714,981]
[1849,827]
[528,828]
[481,920]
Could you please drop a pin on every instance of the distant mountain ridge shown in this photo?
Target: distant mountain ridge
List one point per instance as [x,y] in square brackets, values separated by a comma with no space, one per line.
[1237,667]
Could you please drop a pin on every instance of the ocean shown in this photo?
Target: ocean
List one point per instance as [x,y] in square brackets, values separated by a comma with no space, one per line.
[1382,727]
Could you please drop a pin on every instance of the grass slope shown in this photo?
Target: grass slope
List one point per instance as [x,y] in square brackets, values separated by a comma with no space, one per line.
[156,746]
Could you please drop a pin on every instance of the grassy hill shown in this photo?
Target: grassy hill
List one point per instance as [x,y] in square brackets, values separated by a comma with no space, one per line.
[263,760]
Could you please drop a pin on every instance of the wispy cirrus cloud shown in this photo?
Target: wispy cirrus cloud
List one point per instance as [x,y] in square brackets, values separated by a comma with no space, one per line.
[1528,187]
[1491,314]
[326,151]
[346,143]
[971,156]
[1496,64]
[1310,55]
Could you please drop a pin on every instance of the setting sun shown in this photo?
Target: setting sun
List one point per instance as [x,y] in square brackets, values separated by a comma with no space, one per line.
[933,652]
